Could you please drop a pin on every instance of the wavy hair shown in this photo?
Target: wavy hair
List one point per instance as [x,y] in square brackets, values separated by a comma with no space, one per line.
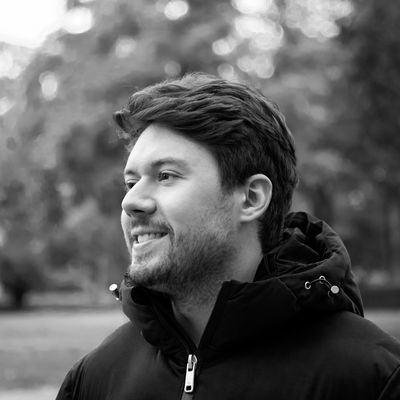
[243,130]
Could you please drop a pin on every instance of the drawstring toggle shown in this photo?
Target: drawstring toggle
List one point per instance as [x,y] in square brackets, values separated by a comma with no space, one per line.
[333,289]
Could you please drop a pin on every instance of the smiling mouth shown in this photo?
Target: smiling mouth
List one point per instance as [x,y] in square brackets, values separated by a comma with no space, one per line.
[138,239]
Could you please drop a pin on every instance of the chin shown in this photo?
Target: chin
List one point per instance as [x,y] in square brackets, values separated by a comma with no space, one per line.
[150,274]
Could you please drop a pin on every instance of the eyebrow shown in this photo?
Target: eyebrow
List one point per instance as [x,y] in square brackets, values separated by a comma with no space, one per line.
[179,162]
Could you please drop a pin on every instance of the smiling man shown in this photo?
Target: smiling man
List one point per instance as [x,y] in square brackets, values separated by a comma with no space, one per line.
[229,296]
[181,234]
[184,233]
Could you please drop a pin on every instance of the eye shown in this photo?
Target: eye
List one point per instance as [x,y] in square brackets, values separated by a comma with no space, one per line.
[128,185]
[165,176]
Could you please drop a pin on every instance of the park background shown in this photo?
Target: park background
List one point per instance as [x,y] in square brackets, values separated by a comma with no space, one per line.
[332,66]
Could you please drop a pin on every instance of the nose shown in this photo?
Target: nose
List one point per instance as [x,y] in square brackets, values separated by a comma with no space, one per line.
[137,201]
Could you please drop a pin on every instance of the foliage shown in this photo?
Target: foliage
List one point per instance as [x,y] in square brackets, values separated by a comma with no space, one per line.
[364,131]
[20,275]
[61,167]
[67,152]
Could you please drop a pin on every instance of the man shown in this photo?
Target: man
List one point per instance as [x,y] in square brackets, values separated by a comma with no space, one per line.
[228,296]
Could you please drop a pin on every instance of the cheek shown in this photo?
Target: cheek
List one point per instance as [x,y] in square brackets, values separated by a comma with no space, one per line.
[186,213]
[124,222]
[189,203]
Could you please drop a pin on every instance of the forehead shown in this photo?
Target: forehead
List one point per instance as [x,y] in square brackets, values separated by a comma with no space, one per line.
[158,143]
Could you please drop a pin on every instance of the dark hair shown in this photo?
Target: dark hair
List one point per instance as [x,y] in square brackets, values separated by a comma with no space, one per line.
[244,131]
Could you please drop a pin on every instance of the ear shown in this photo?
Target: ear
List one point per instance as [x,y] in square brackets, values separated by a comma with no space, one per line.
[256,196]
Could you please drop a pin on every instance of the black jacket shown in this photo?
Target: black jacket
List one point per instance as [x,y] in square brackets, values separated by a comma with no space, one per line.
[296,332]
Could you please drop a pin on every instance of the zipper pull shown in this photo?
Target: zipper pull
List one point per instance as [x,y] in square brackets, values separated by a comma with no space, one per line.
[190,370]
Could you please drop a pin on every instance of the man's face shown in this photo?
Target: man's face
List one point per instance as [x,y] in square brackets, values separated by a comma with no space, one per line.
[180,228]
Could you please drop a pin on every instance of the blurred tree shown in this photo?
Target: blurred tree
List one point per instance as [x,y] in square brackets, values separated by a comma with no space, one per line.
[64,151]
[20,212]
[365,128]
[19,275]
[65,144]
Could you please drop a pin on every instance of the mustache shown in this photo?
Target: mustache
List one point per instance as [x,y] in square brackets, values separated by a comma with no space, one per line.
[148,223]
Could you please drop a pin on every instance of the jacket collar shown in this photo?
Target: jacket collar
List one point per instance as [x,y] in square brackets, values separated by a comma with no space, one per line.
[287,286]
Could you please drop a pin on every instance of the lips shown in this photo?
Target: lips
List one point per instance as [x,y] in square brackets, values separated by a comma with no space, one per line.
[147,242]
[142,238]
[141,235]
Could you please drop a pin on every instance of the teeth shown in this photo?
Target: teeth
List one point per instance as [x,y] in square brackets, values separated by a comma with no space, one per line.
[148,236]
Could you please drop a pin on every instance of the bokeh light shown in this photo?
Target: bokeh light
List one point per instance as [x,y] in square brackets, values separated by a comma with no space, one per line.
[176,9]
[223,47]
[78,20]
[226,71]
[252,6]
[124,46]
[317,19]
[9,68]
[49,85]
[5,105]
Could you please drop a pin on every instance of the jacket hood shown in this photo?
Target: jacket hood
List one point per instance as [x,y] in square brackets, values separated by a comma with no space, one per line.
[313,263]
[307,274]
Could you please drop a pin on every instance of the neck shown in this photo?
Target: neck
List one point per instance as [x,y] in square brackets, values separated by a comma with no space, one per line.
[193,311]
[193,317]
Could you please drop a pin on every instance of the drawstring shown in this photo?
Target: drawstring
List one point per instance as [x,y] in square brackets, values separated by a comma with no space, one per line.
[333,289]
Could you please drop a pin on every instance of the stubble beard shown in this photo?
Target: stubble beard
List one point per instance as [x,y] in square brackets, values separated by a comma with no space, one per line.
[195,264]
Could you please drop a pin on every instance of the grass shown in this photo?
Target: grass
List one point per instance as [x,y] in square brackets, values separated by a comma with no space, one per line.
[37,348]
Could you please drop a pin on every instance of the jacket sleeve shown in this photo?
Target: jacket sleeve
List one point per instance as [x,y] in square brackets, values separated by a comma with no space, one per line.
[69,389]
[65,392]
[391,390]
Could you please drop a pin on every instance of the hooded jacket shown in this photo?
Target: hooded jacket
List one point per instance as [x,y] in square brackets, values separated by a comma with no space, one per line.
[296,332]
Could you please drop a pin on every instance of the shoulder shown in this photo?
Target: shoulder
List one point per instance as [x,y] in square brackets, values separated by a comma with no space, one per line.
[359,335]
[347,335]
[127,335]
[117,348]
[91,374]
[349,348]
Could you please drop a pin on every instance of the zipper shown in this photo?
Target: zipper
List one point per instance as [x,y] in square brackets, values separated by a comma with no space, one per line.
[190,373]
[190,348]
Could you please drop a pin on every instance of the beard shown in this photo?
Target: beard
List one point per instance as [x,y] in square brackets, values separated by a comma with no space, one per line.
[195,262]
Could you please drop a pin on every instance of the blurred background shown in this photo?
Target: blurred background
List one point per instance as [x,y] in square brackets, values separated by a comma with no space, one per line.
[332,66]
